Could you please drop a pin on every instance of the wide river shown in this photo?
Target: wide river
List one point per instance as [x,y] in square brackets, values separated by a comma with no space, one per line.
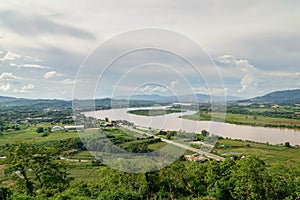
[173,122]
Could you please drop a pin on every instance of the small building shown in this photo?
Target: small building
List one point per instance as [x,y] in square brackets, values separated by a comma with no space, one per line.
[77,127]
[195,157]
[57,128]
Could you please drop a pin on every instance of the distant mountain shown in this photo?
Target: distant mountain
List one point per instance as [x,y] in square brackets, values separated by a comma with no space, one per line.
[6,99]
[106,103]
[181,98]
[287,96]
[20,103]
[7,102]
[152,97]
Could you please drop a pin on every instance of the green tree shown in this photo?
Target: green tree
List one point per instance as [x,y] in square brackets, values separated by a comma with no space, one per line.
[36,169]
[248,178]
[279,182]
[218,177]
[287,144]
[40,130]
[5,193]
[205,133]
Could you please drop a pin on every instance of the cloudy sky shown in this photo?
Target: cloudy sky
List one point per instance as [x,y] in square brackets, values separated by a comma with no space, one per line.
[47,47]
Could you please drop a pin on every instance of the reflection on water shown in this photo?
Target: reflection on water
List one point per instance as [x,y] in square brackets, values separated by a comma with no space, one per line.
[173,122]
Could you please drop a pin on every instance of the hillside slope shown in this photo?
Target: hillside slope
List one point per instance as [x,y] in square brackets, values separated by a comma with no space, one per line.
[287,96]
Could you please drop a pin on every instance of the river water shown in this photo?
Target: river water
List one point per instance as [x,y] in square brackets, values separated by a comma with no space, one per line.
[173,122]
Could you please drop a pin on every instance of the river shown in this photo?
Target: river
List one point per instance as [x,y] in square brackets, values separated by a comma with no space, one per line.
[173,122]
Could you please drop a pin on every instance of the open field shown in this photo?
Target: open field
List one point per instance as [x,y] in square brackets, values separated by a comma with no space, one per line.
[33,137]
[271,154]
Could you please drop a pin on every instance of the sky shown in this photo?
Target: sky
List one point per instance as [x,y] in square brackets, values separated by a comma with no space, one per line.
[65,48]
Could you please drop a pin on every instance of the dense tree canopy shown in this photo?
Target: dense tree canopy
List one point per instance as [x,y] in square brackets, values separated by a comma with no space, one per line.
[38,173]
[36,169]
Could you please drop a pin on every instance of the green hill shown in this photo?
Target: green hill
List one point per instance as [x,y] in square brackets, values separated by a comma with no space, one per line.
[287,96]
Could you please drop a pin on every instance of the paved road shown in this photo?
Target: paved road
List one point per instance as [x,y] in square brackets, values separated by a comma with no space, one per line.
[209,155]
[74,160]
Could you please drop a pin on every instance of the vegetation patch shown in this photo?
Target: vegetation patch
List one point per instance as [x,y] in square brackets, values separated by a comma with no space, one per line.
[246,119]
[154,112]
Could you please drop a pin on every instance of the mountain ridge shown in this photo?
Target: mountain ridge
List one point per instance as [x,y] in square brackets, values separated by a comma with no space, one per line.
[283,96]
[193,98]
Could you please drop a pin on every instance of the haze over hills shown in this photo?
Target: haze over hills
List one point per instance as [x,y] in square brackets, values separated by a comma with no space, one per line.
[193,98]
[287,96]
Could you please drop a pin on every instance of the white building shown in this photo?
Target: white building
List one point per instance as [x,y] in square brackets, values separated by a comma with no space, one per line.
[57,128]
[78,127]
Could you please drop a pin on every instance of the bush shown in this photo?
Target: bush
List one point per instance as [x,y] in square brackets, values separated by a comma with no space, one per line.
[45,134]
[40,130]
[287,144]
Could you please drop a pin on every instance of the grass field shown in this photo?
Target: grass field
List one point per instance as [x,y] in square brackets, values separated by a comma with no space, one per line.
[33,137]
[271,154]
[83,171]
[243,119]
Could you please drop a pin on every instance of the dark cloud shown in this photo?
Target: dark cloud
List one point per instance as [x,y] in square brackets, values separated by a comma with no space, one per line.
[37,24]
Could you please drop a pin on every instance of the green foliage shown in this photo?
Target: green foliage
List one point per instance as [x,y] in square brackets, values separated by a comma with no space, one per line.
[5,193]
[35,169]
[40,130]
[270,154]
[154,112]
[204,133]
[249,177]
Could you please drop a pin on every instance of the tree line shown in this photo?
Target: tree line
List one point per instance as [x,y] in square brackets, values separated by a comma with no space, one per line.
[37,173]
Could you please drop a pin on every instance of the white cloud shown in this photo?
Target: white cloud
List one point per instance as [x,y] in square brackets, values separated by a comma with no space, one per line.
[174,83]
[210,91]
[241,64]
[51,74]
[33,66]
[253,79]
[13,64]
[28,87]
[248,81]
[29,58]
[25,89]
[5,88]
[150,89]
[68,81]
[226,59]
[8,76]
[10,56]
